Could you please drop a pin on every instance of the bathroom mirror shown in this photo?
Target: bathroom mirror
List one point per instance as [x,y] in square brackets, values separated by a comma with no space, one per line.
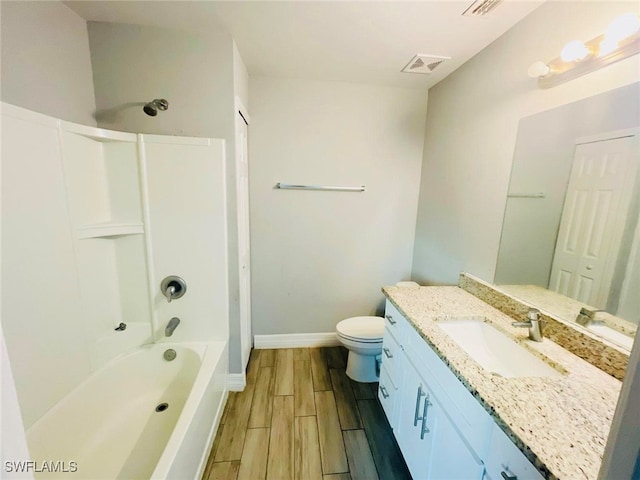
[546,201]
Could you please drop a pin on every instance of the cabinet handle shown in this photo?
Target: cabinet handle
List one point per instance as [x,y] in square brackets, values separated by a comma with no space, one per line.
[506,476]
[391,320]
[384,392]
[424,428]
[418,397]
[387,352]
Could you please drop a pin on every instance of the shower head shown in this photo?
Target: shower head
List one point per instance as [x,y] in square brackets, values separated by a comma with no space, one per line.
[152,108]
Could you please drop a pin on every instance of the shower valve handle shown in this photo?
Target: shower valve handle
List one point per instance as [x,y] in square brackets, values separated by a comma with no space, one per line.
[173,287]
[171,290]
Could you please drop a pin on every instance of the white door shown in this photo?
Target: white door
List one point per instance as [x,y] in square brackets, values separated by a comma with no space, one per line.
[244,246]
[593,219]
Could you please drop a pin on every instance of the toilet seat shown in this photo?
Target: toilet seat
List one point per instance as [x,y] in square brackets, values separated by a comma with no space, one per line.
[362,329]
[360,340]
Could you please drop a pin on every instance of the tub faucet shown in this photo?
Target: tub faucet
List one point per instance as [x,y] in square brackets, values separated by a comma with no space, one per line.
[171,326]
[533,323]
[587,317]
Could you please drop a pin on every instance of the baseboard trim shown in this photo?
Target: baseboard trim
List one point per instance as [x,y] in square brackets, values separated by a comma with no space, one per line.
[296,340]
[236,382]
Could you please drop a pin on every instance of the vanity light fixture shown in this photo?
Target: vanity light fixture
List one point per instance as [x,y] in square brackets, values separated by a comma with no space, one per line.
[620,40]
[574,51]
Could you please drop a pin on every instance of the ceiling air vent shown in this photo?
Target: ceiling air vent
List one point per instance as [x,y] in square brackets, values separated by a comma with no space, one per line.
[481,8]
[424,64]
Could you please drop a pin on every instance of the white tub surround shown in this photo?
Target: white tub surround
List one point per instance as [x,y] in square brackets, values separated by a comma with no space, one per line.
[559,423]
[185,217]
[93,220]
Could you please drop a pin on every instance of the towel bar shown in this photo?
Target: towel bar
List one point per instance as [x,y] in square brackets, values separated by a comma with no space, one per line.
[288,186]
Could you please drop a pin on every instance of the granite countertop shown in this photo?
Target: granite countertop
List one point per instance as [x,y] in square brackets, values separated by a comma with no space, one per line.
[560,424]
[565,307]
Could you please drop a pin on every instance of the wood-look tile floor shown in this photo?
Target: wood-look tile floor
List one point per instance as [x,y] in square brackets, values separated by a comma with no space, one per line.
[301,418]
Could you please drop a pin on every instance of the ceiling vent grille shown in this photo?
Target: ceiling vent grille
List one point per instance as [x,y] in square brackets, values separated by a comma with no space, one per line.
[424,64]
[481,8]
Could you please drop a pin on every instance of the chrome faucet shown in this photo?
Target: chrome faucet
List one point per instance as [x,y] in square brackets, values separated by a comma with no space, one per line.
[587,317]
[171,326]
[533,323]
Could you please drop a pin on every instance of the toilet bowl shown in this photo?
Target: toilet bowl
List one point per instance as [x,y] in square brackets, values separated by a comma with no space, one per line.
[362,336]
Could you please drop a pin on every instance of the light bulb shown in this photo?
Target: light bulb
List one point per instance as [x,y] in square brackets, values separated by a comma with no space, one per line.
[622,27]
[538,69]
[606,47]
[574,51]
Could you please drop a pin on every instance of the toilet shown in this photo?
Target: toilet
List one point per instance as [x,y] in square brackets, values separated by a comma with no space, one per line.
[362,336]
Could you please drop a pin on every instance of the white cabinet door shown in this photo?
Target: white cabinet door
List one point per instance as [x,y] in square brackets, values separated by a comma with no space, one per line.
[451,458]
[416,450]
[430,444]
[505,460]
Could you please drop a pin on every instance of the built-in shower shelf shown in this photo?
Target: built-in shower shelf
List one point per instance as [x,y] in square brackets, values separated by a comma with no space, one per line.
[109,230]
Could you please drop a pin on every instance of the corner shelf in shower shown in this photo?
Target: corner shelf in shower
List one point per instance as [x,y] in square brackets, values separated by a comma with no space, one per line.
[109,230]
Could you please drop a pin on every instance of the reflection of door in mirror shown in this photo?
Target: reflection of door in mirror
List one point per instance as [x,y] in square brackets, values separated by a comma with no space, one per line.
[594,217]
[546,145]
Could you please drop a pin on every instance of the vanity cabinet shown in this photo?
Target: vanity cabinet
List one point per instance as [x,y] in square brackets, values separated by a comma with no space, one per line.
[442,430]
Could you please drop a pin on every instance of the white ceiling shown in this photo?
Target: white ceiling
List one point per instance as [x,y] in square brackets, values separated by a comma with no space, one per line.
[352,41]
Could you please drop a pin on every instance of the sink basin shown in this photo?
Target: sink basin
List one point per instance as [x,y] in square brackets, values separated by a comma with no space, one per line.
[495,351]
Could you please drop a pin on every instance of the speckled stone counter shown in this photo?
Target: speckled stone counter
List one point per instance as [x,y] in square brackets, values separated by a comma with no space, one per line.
[564,307]
[560,424]
[607,356]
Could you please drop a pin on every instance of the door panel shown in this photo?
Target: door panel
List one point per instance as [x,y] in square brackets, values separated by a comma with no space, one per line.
[593,219]
[244,246]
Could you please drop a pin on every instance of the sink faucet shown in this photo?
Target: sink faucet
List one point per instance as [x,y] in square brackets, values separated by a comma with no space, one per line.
[171,326]
[587,317]
[533,323]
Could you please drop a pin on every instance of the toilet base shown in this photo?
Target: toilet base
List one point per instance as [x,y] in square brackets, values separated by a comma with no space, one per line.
[363,368]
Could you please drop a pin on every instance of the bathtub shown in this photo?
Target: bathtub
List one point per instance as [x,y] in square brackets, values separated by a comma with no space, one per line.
[115,424]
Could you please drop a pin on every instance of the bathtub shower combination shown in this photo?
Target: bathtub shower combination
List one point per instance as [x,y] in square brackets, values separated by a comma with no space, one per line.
[139,417]
[118,366]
